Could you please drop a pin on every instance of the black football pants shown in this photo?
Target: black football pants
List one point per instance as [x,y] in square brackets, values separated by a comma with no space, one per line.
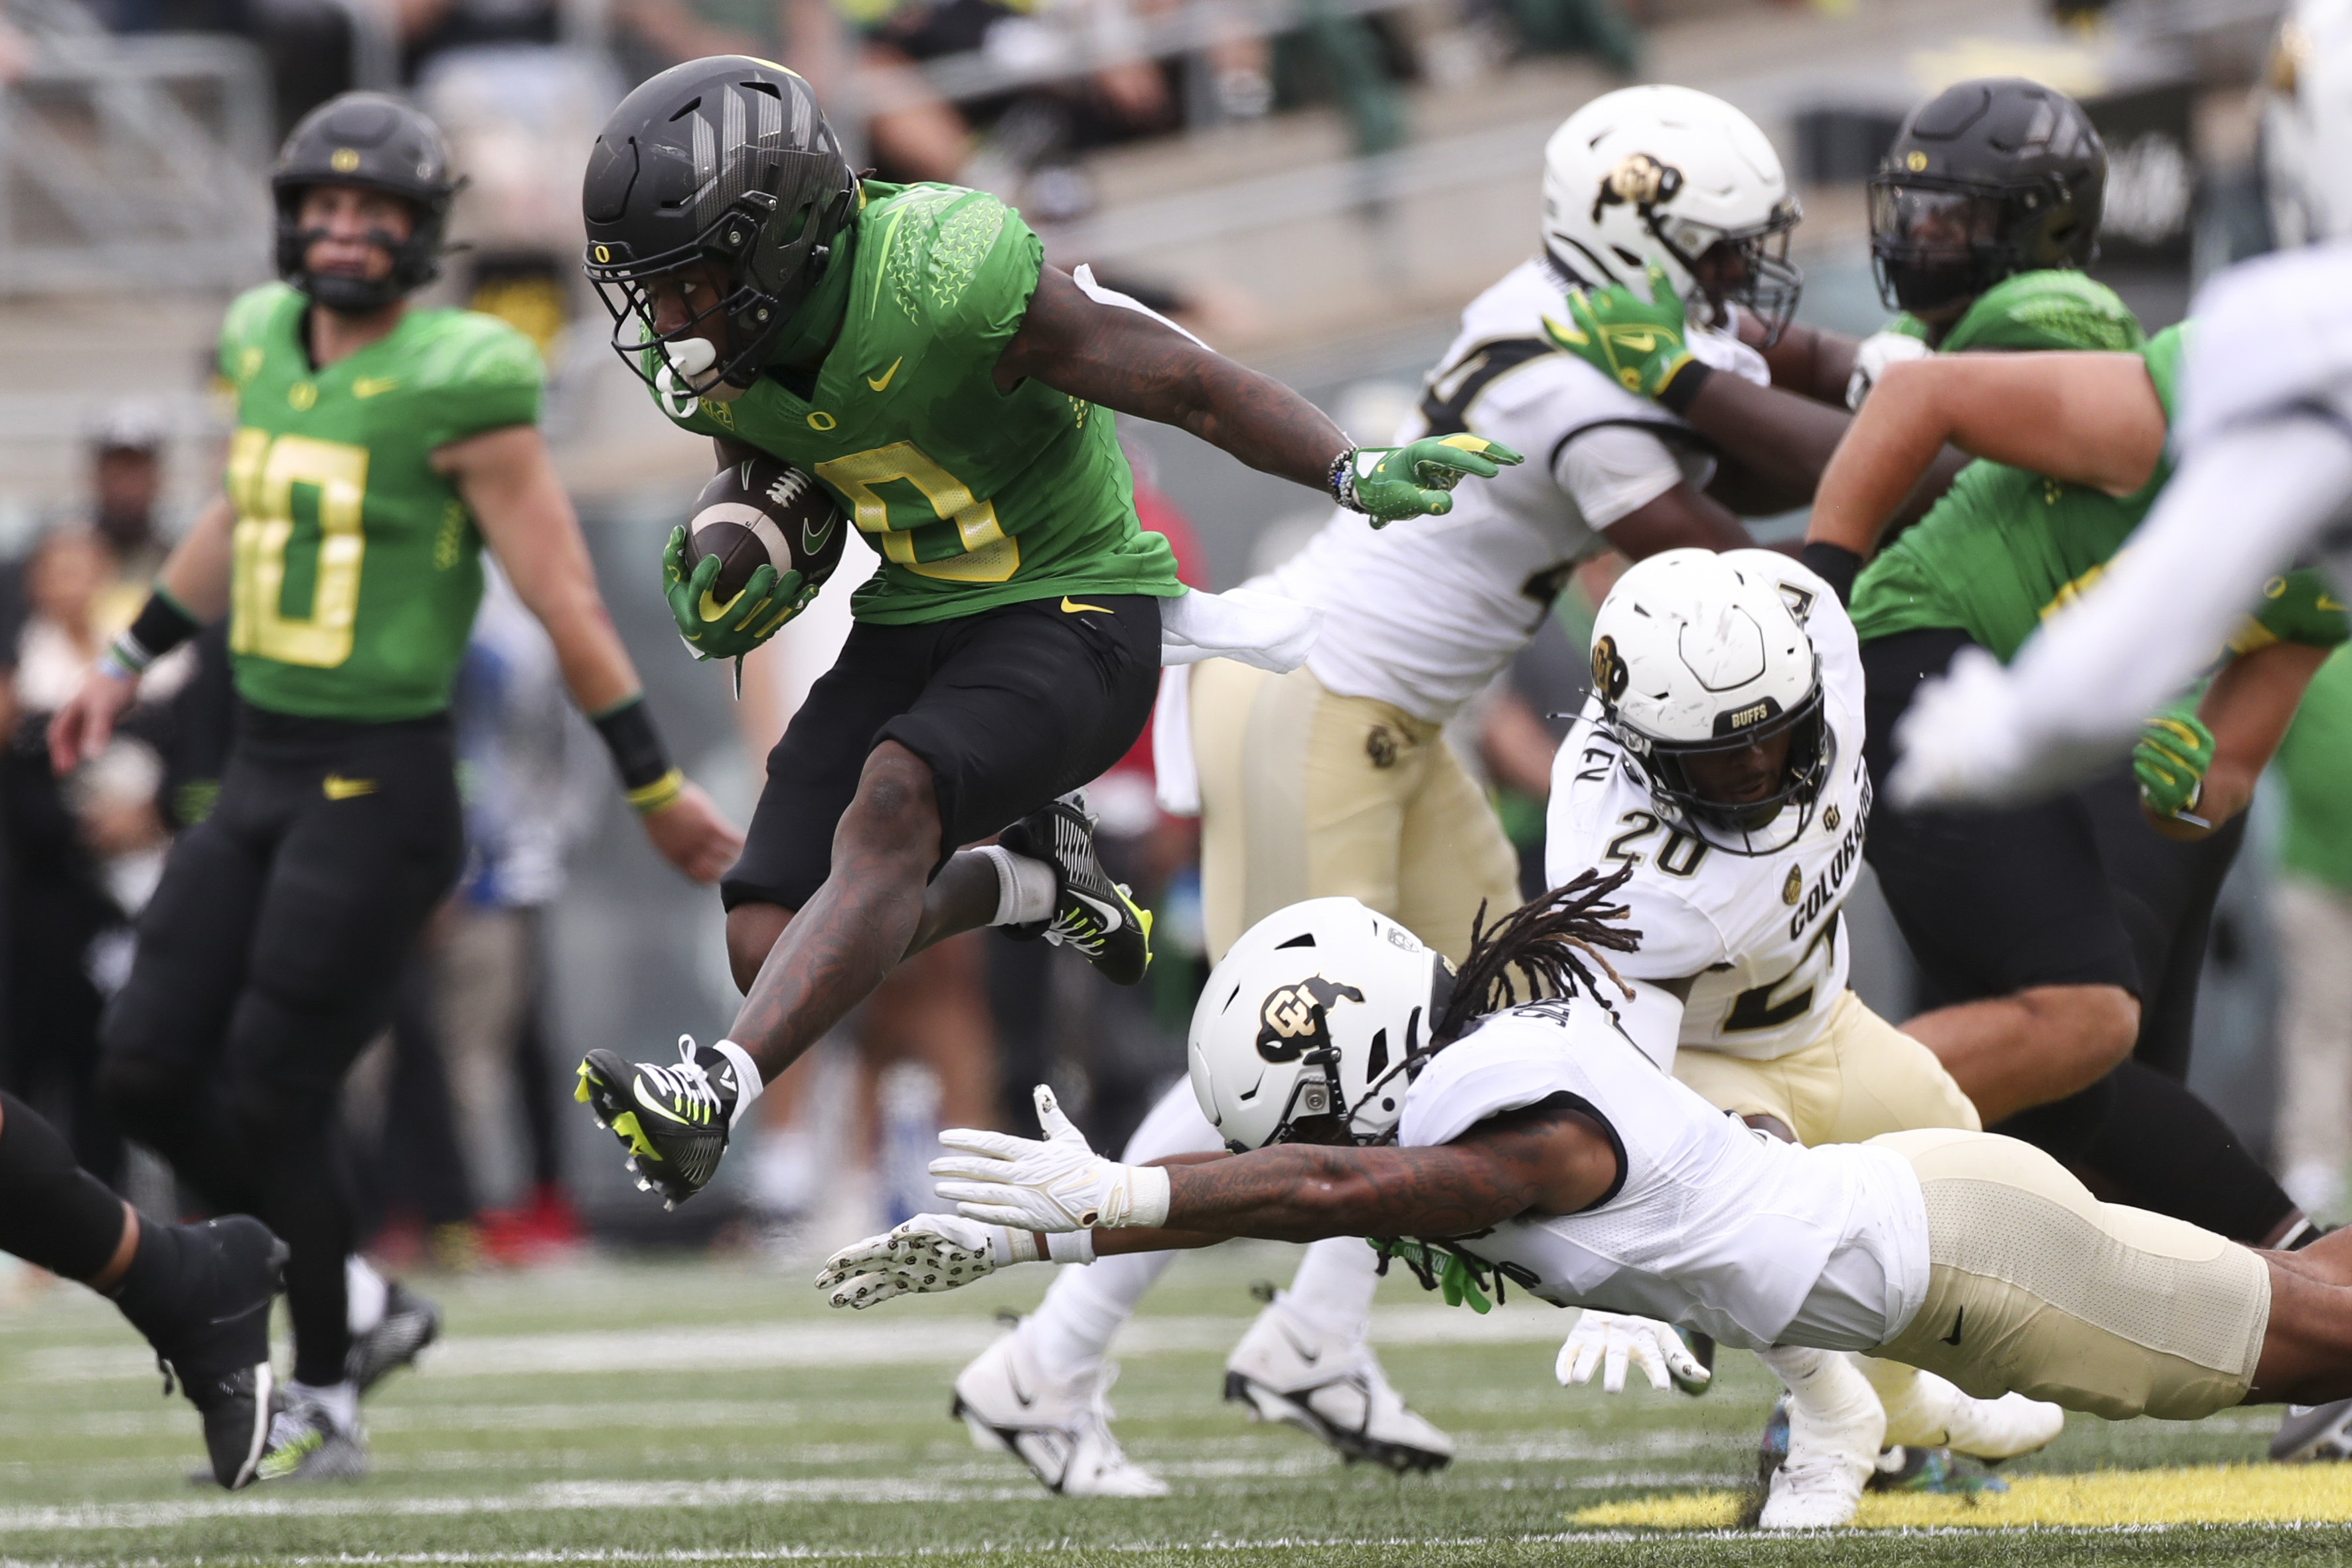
[267,961]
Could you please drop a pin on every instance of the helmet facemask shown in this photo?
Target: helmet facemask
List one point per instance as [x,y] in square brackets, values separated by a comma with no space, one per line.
[1769,285]
[1739,828]
[769,276]
[1934,243]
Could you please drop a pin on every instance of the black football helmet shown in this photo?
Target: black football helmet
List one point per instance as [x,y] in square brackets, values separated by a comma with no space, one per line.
[1988,178]
[374,141]
[726,160]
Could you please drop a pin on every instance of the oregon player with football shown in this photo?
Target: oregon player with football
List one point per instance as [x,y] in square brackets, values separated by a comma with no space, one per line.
[1984,207]
[379,448]
[909,347]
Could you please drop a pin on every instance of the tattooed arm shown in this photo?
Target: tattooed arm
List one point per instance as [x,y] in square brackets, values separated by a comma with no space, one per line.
[1548,1162]
[1126,361]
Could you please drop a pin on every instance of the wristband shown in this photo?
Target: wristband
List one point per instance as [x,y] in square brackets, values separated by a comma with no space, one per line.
[1011,1246]
[1834,564]
[1341,481]
[161,626]
[637,755]
[1680,392]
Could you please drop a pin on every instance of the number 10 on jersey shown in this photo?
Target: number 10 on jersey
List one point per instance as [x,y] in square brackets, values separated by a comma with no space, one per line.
[263,476]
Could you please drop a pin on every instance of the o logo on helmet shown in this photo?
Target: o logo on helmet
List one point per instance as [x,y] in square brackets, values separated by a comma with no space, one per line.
[819,419]
[344,160]
[1608,670]
[603,254]
[1292,1017]
[1915,161]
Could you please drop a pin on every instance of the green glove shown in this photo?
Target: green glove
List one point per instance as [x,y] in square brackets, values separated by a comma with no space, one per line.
[2169,761]
[1636,343]
[734,628]
[1458,1284]
[1386,483]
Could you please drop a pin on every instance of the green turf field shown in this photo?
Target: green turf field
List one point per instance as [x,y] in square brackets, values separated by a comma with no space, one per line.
[692,1412]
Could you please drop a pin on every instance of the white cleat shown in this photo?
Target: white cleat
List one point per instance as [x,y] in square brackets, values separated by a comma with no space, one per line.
[1059,1429]
[1836,1428]
[1933,1413]
[1333,1387]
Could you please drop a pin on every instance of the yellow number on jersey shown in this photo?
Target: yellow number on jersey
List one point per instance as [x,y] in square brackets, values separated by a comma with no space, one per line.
[991,554]
[262,474]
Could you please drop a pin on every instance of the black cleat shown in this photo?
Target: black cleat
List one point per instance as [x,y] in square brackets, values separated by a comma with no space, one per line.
[673,1119]
[409,1323]
[1091,912]
[218,1350]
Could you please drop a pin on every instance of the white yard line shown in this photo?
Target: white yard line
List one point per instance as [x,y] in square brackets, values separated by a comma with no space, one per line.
[858,1342]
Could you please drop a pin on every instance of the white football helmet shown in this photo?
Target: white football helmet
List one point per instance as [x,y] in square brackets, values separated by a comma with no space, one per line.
[1661,175]
[2308,124]
[1312,1025]
[1697,655]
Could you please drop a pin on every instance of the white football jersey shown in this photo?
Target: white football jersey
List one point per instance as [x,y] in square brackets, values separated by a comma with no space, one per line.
[1423,614]
[1715,1227]
[1761,937]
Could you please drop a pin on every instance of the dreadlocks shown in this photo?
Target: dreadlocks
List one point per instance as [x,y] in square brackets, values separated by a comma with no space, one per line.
[1550,941]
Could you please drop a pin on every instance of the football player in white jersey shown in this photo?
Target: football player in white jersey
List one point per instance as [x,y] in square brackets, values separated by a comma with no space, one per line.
[1718,762]
[1334,779]
[1369,1090]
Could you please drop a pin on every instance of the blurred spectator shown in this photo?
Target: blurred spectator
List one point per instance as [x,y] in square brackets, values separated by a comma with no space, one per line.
[530,780]
[2314,915]
[126,454]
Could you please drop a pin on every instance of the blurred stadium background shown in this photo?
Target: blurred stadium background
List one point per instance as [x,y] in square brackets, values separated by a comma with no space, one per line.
[1314,186]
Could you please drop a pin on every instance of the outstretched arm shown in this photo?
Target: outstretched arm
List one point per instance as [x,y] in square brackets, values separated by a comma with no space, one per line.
[1130,361]
[2089,420]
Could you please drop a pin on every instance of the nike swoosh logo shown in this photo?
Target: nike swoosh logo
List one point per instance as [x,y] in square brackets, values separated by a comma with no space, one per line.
[337,787]
[1309,1357]
[879,385]
[813,540]
[372,385]
[1957,1318]
[637,1091]
[1012,1381]
[1071,606]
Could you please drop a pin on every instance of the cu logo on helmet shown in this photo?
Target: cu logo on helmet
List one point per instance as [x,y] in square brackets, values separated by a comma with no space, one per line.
[1640,182]
[1292,1017]
[1608,669]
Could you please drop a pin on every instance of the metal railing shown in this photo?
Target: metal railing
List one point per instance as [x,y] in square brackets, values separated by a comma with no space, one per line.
[131,161]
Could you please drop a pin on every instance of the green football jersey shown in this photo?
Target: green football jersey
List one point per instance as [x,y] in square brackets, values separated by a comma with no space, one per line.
[356,569]
[2006,547]
[973,497]
[2051,309]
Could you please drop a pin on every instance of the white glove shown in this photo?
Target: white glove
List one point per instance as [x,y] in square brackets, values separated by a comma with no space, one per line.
[1058,1184]
[1874,354]
[934,1252]
[1611,1340]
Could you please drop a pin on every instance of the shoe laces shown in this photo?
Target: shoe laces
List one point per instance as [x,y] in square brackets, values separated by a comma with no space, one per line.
[688,1084]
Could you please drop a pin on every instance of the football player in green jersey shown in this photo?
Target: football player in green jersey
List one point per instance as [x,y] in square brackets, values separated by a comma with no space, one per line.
[2026,918]
[909,346]
[378,449]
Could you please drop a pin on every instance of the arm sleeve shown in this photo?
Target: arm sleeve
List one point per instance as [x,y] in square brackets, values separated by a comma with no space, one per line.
[1613,469]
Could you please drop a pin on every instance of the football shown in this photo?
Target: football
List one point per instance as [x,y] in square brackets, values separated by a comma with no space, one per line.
[764,512]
